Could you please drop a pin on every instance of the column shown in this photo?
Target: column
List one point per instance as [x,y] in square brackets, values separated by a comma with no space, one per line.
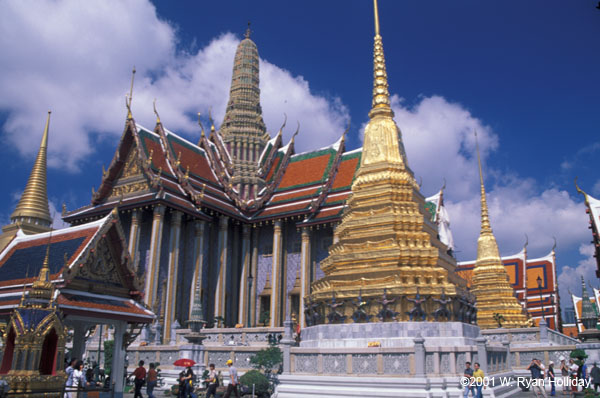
[220,294]
[243,301]
[78,340]
[276,275]
[154,260]
[255,235]
[419,356]
[305,262]
[199,227]
[118,359]
[171,296]
[134,237]
[481,344]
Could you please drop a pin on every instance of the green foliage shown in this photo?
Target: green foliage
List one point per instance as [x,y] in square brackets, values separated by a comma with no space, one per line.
[265,317]
[108,355]
[267,359]
[578,353]
[260,381]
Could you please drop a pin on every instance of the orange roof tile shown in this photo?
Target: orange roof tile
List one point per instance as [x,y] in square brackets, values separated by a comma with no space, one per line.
[304,171]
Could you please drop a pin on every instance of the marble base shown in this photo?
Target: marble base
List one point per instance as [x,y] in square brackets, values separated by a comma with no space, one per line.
[293,386]
[389,334]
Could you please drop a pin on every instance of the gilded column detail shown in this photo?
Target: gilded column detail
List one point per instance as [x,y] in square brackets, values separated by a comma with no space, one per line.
[305,264]
[276,275]
[243,301]
[171,296]
[199,227]
[134,236]
[154,260]
[255,234]
[220,291]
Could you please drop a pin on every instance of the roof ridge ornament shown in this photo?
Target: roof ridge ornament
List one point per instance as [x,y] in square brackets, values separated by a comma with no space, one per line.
[156,112]
[129,98]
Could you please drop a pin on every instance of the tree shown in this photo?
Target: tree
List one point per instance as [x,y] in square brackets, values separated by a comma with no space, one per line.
[108,355]
[267,359]
[259,380]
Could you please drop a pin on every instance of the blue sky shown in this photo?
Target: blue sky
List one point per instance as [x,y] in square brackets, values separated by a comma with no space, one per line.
[524,74]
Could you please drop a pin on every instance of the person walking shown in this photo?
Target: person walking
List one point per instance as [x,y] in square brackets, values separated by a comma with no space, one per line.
[468,375]
[478,375]
[564,372]
[233,380]
[151,379]
[551,376]
[595,375]
[213,382]
[537,378]
[140,378]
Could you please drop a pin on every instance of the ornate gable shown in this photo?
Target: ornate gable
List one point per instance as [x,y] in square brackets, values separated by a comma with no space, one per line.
[131,178]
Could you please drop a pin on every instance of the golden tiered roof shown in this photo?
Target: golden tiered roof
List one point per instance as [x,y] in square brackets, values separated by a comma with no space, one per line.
[383,241]
[33,205]
[495,296]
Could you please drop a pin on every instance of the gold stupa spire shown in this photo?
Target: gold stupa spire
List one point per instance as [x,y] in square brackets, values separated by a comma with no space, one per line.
[494,293]
[383,241]
[383,139]
[33,205]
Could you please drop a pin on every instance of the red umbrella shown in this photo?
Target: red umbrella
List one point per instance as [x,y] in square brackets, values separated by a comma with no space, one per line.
[184,362]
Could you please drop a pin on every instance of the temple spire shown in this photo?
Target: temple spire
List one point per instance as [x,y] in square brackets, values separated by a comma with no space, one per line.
[495,295]
[381,95]
[130,97]
[33,205]
[485,219]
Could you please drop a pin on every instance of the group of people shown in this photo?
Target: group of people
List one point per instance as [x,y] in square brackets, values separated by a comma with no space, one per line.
[79,377]
[473,380]
[142,377]
[186,381]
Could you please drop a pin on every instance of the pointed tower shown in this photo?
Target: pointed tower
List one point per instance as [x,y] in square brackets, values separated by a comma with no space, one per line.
[589,316]
[494,293]
[243,129]
[32,214]
[385,239]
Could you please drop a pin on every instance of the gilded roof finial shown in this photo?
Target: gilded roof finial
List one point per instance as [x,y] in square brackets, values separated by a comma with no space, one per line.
[381,95]
[156,112]
[485,220]
[33,204]
[554,246]
[201,127]
[128,101]
[248,31]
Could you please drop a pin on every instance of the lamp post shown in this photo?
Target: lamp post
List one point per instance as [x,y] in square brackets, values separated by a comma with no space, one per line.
[249,313]
[539,283]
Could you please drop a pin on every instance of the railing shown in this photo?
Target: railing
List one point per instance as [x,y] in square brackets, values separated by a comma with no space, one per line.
[559,338]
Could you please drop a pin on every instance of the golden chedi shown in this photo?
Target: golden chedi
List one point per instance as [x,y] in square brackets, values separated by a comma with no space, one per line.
[495,295]
[384,240]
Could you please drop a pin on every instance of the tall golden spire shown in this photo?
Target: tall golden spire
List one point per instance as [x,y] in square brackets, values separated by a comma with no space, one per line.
[491,287]
[383,139]
[383,241]
[33,205]
[130,97]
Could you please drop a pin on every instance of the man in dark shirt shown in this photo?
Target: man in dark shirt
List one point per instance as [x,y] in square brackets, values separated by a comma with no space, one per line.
[468,376]
[537,378]
[140,378]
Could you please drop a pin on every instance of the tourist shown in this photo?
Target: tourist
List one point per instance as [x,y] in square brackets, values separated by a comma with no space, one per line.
[478,376]
[181,379]
[551,378]
[188,382]
[79,381]
[140,378]
[69,371]
[233,380]
[595,375]
[573,369]
[468,375]
[213,382]
[537,378]
[151,379]
[564,372]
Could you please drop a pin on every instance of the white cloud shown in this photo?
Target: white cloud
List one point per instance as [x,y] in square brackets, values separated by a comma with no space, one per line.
[75,58]
[440,144]
[596,188]
[569,279]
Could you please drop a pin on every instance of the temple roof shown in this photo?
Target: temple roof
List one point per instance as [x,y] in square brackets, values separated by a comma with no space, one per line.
[88,264]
